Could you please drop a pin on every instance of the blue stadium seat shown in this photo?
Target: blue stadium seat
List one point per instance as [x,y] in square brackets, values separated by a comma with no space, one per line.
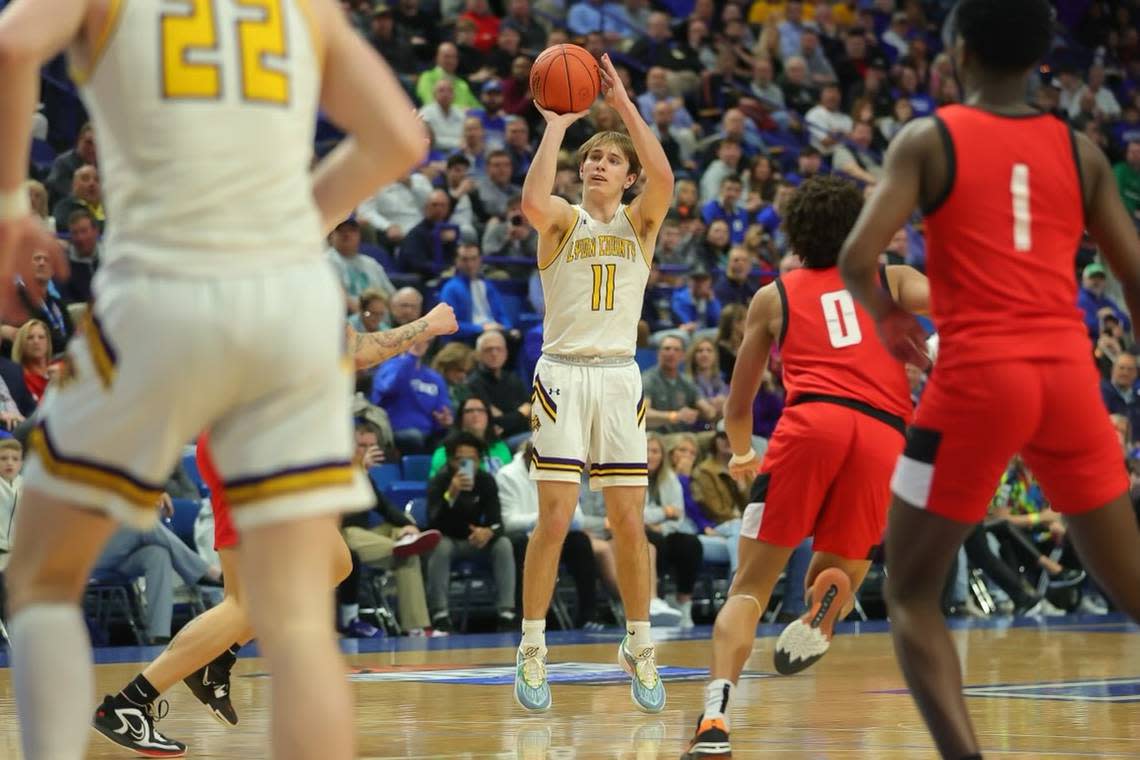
[190,464]
[182,523]
[513,306]
[384,474]
[646,358]
[404,492]
[416,467]
[42,154]
[511,287]
[380,255]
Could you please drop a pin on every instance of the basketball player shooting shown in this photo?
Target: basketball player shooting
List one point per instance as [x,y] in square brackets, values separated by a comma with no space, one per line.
[594,260]
[1007,192]
[212,252]
[827,472]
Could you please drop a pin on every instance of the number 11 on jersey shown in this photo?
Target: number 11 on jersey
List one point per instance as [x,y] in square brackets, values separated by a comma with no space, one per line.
[604,282]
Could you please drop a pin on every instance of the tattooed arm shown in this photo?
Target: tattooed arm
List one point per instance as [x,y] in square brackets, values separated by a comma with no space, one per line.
[370,349]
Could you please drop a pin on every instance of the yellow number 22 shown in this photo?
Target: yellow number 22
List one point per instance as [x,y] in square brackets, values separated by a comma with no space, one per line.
[196,30]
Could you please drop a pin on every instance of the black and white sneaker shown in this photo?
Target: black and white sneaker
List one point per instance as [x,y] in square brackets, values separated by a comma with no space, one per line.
[211,686]
[133,727]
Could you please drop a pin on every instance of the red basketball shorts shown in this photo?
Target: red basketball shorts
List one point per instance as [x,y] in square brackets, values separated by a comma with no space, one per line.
[826,474]
[972,420]
[225,537]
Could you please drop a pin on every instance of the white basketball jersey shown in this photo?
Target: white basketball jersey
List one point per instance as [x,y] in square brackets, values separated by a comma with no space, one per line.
[594,288]
[204,114]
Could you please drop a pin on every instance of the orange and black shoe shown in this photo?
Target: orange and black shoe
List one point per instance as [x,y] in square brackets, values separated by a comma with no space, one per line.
[806,640]
[711,740]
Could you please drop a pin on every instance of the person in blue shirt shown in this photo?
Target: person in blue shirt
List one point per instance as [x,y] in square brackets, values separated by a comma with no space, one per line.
[478,305]
[1092,299]
[725,207]
[416,400]
[695,307]
[491,115]
[737,285]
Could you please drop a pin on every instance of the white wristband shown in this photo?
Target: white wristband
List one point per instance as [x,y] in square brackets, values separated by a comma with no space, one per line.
[14,204]
[739,460]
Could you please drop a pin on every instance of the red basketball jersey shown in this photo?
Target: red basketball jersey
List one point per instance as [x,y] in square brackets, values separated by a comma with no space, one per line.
[829,346]
[1001,244]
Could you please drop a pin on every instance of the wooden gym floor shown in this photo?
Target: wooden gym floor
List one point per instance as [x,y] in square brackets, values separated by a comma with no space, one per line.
[1064,689]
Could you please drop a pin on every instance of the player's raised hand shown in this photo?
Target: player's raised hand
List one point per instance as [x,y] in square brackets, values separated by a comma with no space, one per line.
[441,320]
[560,119]
[612,85]
[904,337]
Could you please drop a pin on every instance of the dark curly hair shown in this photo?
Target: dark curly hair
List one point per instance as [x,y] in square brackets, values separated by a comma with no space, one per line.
[1007,35]
[818,218]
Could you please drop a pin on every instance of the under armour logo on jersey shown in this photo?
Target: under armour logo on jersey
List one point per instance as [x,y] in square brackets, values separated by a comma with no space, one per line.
[554,391]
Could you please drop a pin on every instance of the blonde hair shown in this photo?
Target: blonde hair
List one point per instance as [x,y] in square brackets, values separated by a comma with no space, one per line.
[11,444]
[676,439]
[619,140]
[38,196]
[663,470]
[729,316]
[453,356]
[690,363]
[22,337]
[372,294]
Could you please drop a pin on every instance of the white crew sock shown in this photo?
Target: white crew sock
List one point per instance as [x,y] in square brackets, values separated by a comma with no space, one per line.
[53,681]
[639,635]
[717,696]
[533,634]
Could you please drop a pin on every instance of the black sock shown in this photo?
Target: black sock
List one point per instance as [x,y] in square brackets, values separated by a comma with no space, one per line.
[976,756]
[227,658]
[140,691]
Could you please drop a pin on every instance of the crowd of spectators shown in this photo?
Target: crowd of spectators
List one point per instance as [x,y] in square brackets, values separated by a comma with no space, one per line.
[749,99]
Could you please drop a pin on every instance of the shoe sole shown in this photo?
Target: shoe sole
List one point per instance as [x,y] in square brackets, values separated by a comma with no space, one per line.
[829,593]
[623,661]
[1068,583]
[701,751]
[220,717]
[135,750]
[426,541]
[532,710]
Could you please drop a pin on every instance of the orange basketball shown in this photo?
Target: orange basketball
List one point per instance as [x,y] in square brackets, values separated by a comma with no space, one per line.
[564,79]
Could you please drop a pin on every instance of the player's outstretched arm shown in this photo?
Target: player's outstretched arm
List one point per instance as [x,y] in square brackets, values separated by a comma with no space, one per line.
[650,207]
[546,212]
[1109,223]
[31,33]
[370,349]
[751,361]
[361,95]
[910,288]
